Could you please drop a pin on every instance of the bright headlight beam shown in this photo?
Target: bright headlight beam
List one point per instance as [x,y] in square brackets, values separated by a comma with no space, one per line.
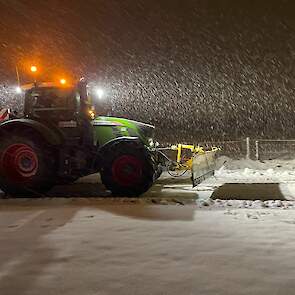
[99,92]
[18,90]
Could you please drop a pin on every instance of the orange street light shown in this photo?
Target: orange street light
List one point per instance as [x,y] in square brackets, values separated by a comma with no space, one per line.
[63,81]
[34,69]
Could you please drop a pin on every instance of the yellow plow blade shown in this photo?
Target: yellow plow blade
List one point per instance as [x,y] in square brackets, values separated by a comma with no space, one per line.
[203,166]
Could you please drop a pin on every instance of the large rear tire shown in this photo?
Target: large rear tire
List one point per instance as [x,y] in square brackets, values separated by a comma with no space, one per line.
[26,166]
[127,169]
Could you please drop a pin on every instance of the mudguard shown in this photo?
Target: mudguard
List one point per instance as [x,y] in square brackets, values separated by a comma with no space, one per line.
[51,136]
[134,140]
[104,149]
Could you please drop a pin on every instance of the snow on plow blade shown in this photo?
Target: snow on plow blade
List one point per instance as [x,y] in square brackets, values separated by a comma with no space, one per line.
[203,166]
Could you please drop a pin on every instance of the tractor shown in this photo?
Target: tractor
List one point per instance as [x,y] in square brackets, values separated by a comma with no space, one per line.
[58,139]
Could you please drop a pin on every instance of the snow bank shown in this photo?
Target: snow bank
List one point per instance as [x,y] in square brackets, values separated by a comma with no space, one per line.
[277,164]
[257,171]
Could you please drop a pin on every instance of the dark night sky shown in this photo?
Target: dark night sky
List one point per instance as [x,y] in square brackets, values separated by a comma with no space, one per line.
[208,69]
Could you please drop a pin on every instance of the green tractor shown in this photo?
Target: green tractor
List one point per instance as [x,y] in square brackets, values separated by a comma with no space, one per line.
[58,140]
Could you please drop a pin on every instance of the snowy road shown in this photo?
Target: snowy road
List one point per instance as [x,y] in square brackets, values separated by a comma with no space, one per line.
[236,179]
[71,243]
[55,248]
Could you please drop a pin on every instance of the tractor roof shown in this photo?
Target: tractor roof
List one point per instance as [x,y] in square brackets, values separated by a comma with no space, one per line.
[44,85]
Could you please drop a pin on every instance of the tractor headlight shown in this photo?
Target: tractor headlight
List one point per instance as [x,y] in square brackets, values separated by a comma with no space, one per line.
[151,142]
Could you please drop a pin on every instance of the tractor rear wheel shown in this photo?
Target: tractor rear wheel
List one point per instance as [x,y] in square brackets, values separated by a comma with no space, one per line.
[127,170]
[26,166]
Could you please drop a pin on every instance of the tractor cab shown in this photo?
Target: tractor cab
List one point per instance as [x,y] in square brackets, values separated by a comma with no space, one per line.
[55,103]
[50,102]
[67,108]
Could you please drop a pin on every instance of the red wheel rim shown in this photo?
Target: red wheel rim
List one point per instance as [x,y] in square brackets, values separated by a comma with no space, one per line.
[19,162]
[127,170]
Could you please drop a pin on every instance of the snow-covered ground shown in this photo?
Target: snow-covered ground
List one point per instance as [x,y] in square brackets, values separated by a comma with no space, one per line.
[87,248]
[256,171]
[246,183]
[237,183]
[215,245]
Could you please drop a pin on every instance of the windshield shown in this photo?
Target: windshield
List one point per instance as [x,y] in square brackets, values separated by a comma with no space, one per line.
[43,98]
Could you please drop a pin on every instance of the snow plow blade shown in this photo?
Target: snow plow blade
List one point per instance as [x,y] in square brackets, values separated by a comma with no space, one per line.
[203,166]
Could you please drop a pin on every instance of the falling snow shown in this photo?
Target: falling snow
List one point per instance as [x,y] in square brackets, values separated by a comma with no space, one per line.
[195,70]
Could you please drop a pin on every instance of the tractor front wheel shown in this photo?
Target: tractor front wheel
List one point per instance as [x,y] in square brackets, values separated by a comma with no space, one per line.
[127,170]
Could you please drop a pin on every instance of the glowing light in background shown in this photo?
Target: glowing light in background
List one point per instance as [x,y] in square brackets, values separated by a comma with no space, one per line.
[63,81]
[34,69]
[18,90]
[99,92]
